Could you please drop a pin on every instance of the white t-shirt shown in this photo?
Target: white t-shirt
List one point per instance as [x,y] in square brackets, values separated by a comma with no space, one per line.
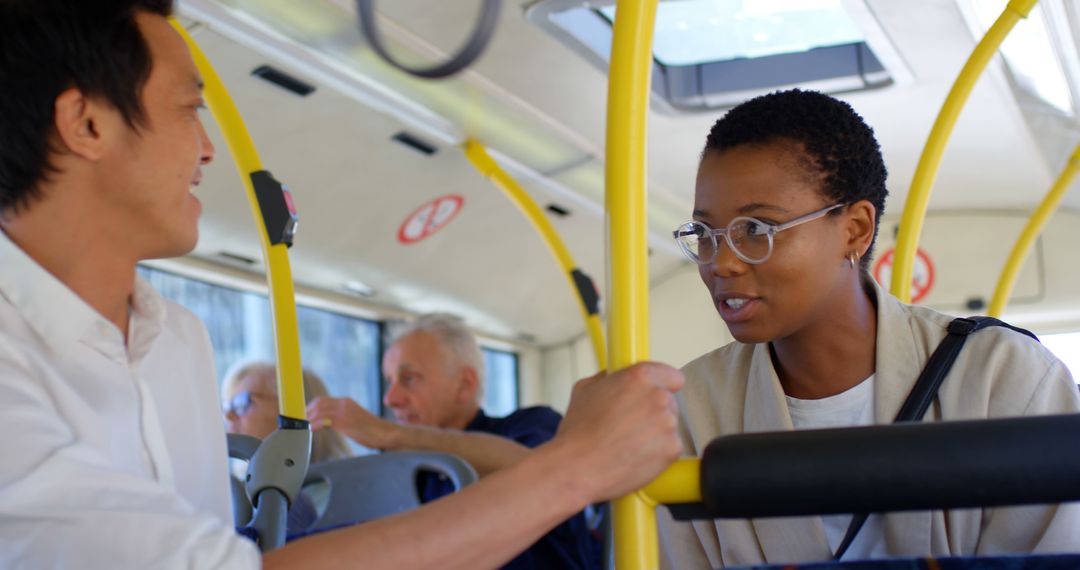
[853,407]
[116,453]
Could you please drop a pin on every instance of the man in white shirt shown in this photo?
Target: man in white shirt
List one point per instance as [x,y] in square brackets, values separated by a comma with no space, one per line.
[117,458]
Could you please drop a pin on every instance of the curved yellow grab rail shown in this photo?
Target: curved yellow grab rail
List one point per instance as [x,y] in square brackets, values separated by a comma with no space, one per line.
[918,198]
[579,282]
[634,518]
[1031,231]
[278,271]
[681,483]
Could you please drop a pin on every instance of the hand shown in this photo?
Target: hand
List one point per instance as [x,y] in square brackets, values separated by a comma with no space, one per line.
[621,429]
[350,419]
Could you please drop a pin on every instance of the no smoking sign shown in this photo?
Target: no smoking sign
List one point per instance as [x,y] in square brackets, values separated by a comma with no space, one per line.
[922,273]
[430,218]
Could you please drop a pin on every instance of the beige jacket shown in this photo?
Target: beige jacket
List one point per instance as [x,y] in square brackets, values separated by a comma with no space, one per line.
[999,373]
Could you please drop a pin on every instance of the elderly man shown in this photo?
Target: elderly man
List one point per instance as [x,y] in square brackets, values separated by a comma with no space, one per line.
[118,458]
[435,379]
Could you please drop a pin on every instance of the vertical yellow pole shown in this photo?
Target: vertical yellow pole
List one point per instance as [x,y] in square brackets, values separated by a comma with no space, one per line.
[1031,232]
[907,241]
[634,518]
[278,270]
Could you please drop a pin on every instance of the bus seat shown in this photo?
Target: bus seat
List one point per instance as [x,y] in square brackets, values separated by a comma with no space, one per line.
[373,486]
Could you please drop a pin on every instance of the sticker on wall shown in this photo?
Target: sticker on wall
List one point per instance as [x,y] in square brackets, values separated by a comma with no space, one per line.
[922,273]
[430,218]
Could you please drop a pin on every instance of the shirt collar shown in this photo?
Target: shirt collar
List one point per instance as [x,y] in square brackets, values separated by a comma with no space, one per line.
[50,308]
[147,317]
[60,317]
[477,421]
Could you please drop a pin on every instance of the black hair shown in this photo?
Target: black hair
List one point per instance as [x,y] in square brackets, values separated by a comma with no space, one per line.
[835,143]
[48,46]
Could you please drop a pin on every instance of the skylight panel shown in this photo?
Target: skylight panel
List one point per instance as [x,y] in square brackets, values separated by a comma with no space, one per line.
[709,54]
[692,32]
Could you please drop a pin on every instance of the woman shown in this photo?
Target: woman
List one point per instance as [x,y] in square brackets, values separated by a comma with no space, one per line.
[250,393]
[797,181]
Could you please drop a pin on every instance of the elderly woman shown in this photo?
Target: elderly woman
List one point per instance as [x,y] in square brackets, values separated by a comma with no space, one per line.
[789,194]
[250,395]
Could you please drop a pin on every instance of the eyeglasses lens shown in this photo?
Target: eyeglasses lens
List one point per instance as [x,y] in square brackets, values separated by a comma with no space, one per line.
[240,404]
[749,238]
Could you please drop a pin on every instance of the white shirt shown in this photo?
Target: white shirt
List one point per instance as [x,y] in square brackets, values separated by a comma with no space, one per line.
[852,407]
[115,454]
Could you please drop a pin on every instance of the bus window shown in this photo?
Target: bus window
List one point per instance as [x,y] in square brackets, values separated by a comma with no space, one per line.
[342,349]
[1067,348]
[501,382]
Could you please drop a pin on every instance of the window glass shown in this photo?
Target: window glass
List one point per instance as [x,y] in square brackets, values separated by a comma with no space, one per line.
[343,350]
[501,389]
[1067,348]
[709,54]
[690,32]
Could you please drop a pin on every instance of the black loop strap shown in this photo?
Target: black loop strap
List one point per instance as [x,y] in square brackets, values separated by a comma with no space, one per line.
[489,17]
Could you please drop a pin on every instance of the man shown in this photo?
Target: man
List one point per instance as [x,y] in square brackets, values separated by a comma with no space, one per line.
[118,457]
[435,377]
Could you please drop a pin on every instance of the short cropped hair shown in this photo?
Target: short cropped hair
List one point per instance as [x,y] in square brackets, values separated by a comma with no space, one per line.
[837,145]
[457,340]
[49,46]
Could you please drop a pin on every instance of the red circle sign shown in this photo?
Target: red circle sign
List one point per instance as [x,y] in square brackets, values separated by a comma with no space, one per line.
[922,273]
[430,218]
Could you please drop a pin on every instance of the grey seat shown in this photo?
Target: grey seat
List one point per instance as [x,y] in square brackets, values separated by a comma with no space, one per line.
[359,488]
[373,486]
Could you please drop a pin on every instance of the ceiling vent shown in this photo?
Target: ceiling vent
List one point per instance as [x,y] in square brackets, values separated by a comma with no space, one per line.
[558,210]
[283,80]
[415,143]
[236,258]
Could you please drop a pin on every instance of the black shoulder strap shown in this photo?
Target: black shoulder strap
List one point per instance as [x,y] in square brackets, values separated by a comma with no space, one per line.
[926,387]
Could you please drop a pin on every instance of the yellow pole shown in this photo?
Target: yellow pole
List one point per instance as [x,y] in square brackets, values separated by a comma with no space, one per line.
[278,272]
[907,241]
[680,483]
[478,156]
[1031,231]
[634,518]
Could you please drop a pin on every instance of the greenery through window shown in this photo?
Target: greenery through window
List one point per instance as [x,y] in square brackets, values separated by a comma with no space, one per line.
[343,350]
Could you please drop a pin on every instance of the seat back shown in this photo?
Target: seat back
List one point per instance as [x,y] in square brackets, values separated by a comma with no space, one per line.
[374,486]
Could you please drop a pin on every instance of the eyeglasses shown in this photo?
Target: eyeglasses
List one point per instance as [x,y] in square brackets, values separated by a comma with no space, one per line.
[750,239]
[241,403]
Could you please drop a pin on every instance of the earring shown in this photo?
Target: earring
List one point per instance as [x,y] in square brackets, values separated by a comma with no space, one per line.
[852,258]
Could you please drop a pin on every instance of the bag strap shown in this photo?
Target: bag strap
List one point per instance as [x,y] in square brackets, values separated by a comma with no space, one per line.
[926,387]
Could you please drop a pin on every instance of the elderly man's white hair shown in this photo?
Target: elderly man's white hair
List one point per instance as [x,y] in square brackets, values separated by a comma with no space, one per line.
[452,334]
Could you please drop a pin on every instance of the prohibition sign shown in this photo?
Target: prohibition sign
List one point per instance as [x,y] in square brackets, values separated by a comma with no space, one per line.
[430,218]
[922,273]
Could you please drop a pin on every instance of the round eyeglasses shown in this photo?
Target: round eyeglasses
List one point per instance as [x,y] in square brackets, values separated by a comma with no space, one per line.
[750,239]
[241,403]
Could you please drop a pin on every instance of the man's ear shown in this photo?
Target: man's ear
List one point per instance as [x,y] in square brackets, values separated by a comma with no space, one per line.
[862,219]
[83,124]
[470,384]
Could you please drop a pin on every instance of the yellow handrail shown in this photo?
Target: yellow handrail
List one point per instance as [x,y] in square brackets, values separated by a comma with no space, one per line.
[478,156]
[680,483]
[634,518]
[1031,231]
[278,271]
[907,240]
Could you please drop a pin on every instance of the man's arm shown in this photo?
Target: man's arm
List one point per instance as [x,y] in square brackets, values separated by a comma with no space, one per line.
[618,434]
[64,504]
[487,453]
